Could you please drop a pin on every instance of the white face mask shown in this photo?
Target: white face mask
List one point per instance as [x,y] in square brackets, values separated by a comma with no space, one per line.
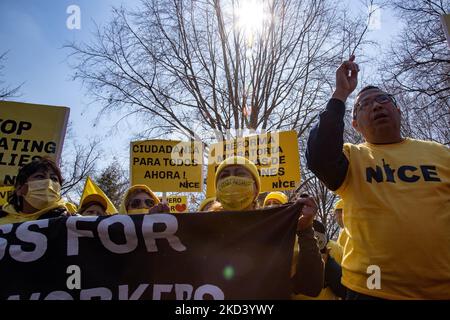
[43,193]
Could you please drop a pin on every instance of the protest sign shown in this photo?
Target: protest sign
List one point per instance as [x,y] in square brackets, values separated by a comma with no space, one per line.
[275,155]
[29,131]
[177,204]
[167,166]
[5,193]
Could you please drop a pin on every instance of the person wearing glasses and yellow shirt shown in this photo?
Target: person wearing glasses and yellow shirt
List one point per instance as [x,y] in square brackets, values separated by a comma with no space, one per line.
[396,193]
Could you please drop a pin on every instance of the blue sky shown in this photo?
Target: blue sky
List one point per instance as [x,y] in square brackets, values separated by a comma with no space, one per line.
[35,32]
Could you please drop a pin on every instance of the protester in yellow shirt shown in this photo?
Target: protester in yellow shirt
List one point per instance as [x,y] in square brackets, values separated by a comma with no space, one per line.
[237,187]
[36,194]
[140,199]
[396,194]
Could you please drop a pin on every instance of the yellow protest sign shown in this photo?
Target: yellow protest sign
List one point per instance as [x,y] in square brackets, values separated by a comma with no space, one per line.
[275,155]
[167,166]
[29,131]
[5,193]
[91,187]
[177,204]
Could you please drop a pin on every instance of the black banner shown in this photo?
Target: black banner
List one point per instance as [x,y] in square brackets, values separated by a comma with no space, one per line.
[193,256]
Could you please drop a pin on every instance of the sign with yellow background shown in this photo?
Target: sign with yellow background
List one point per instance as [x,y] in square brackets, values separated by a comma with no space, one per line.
[166,165]
[177,204]
[275,155]
[29,131]
[4,194]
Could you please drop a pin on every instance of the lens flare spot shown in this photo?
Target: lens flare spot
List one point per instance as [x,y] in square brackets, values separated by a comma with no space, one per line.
[228,272]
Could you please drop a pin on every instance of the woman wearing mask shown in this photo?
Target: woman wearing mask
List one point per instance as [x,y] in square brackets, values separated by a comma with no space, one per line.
[140,199]
[36,195]
[237,184]
[237,188]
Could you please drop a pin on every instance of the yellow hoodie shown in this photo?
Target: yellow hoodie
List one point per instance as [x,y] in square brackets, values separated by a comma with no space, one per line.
[123,209]
[16,217]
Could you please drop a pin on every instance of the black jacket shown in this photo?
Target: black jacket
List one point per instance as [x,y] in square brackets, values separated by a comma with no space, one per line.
[324,151]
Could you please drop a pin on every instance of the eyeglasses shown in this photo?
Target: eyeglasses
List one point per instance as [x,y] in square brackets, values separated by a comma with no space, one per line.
[381,99]
[137,203]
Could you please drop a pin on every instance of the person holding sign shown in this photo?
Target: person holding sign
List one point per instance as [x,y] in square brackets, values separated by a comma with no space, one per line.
[36,195]
[332,289]
[237,188]
[140,199]
[396,193]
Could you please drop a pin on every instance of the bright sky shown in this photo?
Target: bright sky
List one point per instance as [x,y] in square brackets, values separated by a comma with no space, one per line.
[34,32]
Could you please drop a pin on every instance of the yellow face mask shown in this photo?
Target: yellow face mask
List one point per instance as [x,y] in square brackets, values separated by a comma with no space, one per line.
[138,211]
[43,193]
[235,193]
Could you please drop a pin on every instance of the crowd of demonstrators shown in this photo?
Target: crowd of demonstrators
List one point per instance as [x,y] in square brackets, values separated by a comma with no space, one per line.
[393,212]
[395,191]
[37,196]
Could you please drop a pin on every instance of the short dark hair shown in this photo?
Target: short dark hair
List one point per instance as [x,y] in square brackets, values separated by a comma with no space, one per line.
[370,87]
[26,171]
[367,88]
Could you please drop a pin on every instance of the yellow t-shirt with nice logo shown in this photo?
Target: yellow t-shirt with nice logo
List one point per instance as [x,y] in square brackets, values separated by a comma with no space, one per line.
[397,218]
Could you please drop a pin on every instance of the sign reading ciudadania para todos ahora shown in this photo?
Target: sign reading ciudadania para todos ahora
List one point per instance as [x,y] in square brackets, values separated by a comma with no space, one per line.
[29,131]
[275,154]
[224,255]
[166,165]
